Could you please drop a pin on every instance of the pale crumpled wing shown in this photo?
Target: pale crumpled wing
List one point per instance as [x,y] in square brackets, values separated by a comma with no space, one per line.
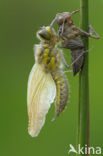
[40,94]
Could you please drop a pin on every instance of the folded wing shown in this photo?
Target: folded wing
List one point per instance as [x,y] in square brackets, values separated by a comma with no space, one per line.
[40,94]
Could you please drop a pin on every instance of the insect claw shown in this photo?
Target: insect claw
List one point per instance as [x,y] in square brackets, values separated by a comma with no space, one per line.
[92,31]
[74,12]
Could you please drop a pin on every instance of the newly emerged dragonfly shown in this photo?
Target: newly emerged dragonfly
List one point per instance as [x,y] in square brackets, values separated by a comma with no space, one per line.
[71,36]
[46,81]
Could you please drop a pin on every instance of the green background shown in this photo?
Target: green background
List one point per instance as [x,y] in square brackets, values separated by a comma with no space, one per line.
[19,21]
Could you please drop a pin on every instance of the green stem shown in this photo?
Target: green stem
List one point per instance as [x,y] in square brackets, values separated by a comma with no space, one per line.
[83,121]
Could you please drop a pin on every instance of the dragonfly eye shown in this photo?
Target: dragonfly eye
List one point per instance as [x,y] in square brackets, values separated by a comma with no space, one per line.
[45,33]
[44,36]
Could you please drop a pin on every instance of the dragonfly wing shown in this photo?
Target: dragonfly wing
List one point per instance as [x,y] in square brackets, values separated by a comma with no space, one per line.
[40,94]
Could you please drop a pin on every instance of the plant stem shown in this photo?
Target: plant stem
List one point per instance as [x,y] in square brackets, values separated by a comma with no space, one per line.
[83,121]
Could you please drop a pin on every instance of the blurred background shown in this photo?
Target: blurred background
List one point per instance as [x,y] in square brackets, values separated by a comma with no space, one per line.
[19,21]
